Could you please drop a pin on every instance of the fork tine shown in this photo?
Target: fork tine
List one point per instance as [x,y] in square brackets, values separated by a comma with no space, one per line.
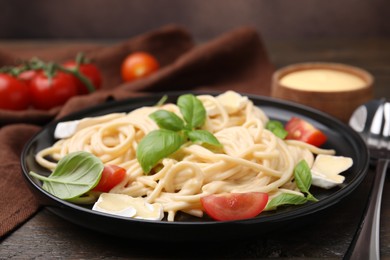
[386,127]
[377,121]
[380,127]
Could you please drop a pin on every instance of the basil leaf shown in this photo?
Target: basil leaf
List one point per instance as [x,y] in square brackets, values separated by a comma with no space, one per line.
[303,178]
[167,120]
[285,199]
[157,145]
[192,110]
[203,136]
[75,174]
[174,132]
[277,128]
[311,197]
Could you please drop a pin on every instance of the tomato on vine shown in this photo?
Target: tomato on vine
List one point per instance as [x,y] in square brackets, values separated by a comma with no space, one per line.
[14,94]
[86,69]
[48,91]
[27,75]
[46,85]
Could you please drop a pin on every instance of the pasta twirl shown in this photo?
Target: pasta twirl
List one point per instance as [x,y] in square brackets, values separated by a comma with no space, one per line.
[252,159]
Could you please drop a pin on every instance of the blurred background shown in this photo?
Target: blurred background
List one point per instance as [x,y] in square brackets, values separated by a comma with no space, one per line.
[205,19]
[355,32]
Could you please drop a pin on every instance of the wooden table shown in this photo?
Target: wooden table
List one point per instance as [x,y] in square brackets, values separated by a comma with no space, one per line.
[327,235]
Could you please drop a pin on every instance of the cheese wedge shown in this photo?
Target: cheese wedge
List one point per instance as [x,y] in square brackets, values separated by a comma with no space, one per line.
[326,170]
[127,206]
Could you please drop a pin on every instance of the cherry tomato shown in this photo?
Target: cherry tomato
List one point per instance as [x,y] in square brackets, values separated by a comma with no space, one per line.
[112,175]
[299,129]
[234,206]
[27,76]
[90,71]
[138,65]
[14,94]
[47,92]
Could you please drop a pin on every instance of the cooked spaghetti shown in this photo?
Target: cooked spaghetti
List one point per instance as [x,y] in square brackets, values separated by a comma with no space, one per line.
[252,159]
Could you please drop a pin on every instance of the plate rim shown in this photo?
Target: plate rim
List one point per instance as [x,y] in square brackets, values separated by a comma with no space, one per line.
[297,212]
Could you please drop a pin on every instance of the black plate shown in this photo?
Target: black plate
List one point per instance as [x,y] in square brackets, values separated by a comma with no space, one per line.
[340,137]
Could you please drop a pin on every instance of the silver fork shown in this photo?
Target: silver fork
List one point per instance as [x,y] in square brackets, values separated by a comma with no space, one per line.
[376,132]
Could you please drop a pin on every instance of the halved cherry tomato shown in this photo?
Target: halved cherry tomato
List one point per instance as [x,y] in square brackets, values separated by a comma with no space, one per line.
[47,92]
[234,206]
[112,175]
[14,94]
[299,129]
[138,65]
[89,70]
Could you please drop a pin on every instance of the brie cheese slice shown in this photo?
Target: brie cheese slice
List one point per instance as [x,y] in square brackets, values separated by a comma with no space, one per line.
[127,206]
[326,170]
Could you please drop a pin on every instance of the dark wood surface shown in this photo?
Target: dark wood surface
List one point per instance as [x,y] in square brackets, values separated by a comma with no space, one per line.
[326,234]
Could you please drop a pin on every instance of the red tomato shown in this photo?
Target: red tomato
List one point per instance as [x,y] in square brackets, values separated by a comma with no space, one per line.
[14,94]
[234,206]
[90,71]
[48,93]
[27,76]
[138,65]
[112,175]
[299,129]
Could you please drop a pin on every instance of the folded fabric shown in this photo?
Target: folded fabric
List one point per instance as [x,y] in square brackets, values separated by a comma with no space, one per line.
[236,60]
[167,44]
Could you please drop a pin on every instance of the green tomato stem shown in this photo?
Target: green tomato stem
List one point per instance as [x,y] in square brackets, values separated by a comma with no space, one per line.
[76,72]
[50,70]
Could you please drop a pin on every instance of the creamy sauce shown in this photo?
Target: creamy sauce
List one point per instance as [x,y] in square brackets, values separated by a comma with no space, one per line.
[322,80]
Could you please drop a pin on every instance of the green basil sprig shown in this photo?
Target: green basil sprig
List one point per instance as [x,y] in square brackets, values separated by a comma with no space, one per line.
[286,199]
[75,174]
[174,132]
[277,128]
[192,110]
[303,179]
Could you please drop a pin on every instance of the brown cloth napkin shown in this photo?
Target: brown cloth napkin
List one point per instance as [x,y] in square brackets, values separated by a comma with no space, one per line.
[236,60]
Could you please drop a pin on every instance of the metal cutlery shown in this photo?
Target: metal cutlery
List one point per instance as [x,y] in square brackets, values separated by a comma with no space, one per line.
[372,121]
